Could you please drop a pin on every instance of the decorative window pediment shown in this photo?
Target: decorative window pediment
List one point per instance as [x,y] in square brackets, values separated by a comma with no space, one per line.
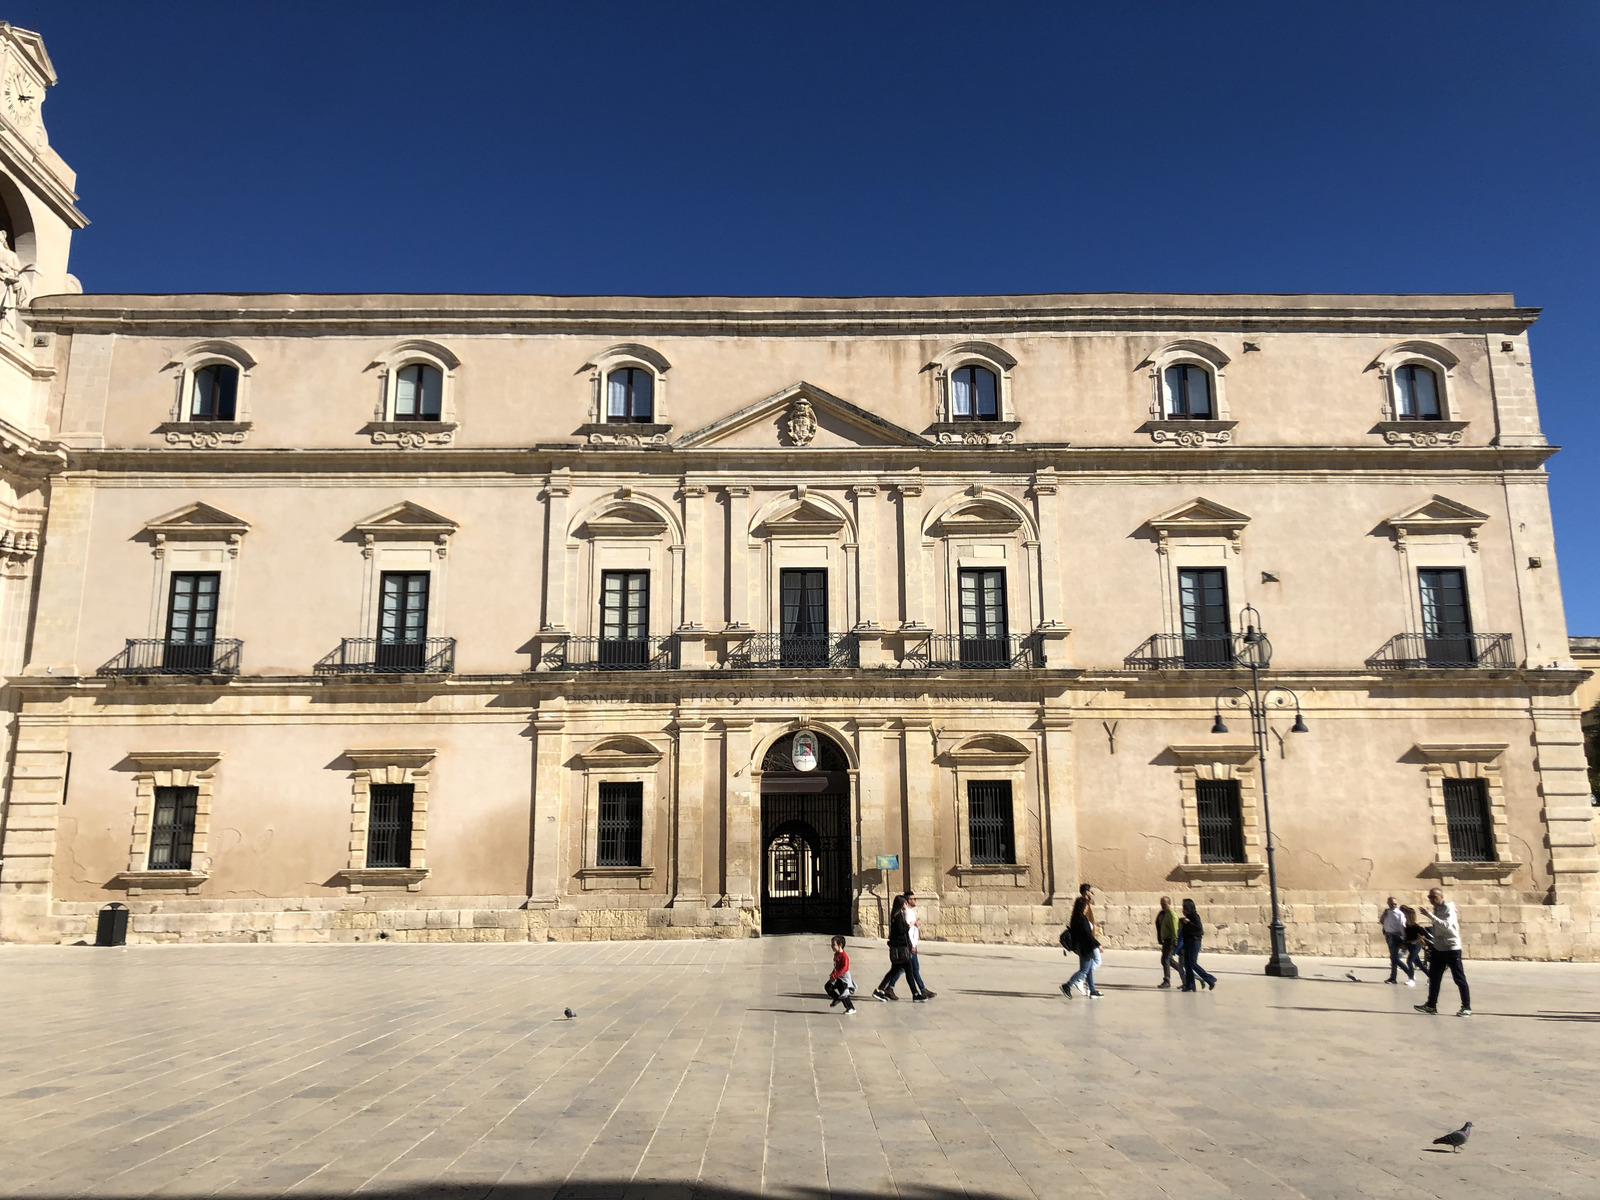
[624,519]
[978,517]
[198,522]
[988,749]
[407,522]
[621,752]
[1438,514]
[1199,518]
[805,517]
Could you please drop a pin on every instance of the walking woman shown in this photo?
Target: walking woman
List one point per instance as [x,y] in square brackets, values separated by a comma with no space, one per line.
[1085,943]
[899,952]
[1192,932]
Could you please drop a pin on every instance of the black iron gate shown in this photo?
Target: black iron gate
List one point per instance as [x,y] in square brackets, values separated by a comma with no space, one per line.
[805,854]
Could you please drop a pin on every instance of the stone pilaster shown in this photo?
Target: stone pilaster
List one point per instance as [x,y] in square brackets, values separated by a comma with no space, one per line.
[27,854]
[741,817]
[557,494]
[61,579]
[688,835]
[1060,806]
[921,797]
[738,564]
[692,556]
[549,775]
[1569,815]
[912,567]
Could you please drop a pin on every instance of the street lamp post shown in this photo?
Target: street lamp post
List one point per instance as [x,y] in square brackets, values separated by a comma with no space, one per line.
[1256,654]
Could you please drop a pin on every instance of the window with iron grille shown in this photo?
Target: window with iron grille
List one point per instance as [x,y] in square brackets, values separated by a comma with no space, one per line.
[989,823]
[621,840]
[172,828]
[1466,811]
[1221,821]
[389,825]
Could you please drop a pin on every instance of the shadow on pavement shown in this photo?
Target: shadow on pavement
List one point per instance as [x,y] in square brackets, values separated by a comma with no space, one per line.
[619,1189]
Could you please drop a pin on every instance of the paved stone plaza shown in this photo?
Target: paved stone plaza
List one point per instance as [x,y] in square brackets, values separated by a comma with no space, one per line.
[716,1069]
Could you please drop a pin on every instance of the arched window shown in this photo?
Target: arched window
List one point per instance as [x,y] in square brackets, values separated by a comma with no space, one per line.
[418,392]
[630,396]
[215,394]
[1416,390]
[1186,393]
[974,394]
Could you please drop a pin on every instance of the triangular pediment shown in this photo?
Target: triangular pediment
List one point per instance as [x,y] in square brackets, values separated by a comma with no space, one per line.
[198,520]
[1199,515]
[804,517]
[1438,513]
[408,520]
[799,417]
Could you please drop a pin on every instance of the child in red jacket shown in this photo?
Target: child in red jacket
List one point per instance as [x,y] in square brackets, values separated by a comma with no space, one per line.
[839,984]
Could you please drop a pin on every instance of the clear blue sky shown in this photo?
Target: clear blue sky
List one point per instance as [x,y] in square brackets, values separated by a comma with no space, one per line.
[823,149]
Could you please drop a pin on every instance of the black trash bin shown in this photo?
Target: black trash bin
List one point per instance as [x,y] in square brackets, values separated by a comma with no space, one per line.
[113,927]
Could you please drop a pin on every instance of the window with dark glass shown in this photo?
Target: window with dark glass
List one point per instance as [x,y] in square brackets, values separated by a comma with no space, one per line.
[403,620]
[989,824]
[172,828]
[983,616]
[418,393]
[1446,621]
[191,620]
[1466,811]
[1186,392]
[216,393]
[621,831]
[630,395]
[974,394]
[389,825]
[1221,820]
[1203,609]
[1417,393]
[803,617]
[624,617]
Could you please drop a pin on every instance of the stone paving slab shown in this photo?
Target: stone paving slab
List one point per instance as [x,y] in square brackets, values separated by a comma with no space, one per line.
[716,1070]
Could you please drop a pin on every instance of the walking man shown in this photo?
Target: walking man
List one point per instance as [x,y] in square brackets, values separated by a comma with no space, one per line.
[1393,922]
[1167,938]
[1446,954]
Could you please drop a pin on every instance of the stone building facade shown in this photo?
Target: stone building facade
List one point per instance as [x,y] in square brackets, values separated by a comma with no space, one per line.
[506,617]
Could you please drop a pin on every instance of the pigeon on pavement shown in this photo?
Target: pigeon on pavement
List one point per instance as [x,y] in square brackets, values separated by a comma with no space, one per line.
[1457,1139]
[1351,976]
[569,1013]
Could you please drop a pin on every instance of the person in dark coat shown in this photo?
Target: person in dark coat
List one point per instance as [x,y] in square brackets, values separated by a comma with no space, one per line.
[899,952]
[1085,943]
[1192,932]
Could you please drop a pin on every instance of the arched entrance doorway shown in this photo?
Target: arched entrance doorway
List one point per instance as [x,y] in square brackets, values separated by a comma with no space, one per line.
[805,840]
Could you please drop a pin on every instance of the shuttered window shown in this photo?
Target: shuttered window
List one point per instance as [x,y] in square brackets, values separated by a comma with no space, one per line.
[621,839]
[389,825]
[1466,811]
[1221,822]
[989,821]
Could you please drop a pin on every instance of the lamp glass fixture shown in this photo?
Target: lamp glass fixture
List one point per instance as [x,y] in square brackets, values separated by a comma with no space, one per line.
[1299,725]
[1217,726]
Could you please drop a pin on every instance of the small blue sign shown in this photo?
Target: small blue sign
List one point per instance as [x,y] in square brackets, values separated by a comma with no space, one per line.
[888,862]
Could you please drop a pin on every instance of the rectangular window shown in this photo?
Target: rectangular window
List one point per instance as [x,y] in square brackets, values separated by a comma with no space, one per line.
[389,825]
[984,636]
[621,833]
[804,617]
[1466,811]
[1446,622]
[990,833]
[418,393]
[1203,601]
[403,621]
[172,828]
[191,621]
[624,617]
[1221,821]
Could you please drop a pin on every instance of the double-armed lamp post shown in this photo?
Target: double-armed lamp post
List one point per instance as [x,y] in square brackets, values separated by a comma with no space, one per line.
[1256,654]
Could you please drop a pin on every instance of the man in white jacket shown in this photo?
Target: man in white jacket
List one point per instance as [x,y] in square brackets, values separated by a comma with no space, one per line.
[1446,954]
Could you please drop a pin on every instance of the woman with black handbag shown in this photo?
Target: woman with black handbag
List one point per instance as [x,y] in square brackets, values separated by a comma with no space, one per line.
[899,952]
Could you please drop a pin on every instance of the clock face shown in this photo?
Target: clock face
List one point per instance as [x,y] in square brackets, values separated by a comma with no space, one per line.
[22,98]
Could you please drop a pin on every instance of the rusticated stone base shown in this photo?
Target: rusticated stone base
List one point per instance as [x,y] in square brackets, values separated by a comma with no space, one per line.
[1497,924]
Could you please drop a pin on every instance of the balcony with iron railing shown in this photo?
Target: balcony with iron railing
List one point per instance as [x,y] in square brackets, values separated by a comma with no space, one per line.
[796,651]
[374,656]
[613,654]
[162,656]
[952,652]
[1453,652]
[1186,652]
